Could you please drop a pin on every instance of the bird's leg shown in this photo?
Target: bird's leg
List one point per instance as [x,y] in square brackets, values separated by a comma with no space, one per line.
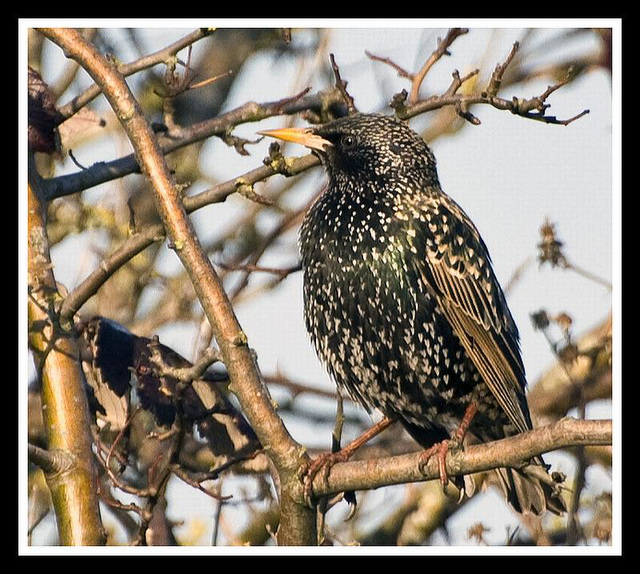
[441,449]
[465,423]
[326,460]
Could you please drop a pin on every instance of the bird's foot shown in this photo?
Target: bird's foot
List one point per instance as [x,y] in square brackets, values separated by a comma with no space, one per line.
[439,450]
[325,461]
[322,463]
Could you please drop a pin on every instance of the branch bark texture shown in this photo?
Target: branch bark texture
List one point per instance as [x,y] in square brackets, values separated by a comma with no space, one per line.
[509,452]
[245,378]
[72,481]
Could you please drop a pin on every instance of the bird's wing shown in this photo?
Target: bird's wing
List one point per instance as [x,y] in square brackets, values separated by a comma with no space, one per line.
[456,268]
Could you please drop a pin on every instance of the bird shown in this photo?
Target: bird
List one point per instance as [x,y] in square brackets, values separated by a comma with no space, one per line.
[401,301]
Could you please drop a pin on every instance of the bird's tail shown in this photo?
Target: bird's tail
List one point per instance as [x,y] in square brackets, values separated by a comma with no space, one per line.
[529,492]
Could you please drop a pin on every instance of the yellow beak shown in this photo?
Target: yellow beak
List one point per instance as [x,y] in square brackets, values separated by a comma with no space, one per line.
[303,136]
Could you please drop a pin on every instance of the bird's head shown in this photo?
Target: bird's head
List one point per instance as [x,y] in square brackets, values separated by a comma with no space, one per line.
[364,146]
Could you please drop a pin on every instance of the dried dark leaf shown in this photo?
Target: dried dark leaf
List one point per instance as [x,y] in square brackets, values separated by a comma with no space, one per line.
[550,246]
[43,116]
[112,354]
[540,319]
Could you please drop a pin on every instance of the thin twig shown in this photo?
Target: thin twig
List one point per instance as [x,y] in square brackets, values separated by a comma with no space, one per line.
[417,78]
[282,273]
[220,126]
[531,108]
[496,78]
[341,86]
[197,483]
[125,70]
[210,80]
[282,226]
[120,435]
[145,237]
[589,275]
[402,73]
[441,50]
[208,357]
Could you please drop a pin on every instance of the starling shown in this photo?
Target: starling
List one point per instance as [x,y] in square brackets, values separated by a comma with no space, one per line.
[401,301]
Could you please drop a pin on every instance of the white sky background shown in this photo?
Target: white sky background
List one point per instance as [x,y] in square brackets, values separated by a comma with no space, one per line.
[508,173]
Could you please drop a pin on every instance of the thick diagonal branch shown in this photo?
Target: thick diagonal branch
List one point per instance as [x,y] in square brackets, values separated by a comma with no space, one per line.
[245,378]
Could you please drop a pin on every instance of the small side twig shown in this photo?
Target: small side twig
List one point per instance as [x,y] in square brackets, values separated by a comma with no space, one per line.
[185,374]
[534,108]
[341,85]
[498,73]
[138,65]
[417,78]
[441,50]
[197,483]
[551,251]
[282,273]
[246,190]
[50,461]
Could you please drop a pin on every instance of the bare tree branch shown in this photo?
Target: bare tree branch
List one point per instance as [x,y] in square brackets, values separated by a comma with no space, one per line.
[220,126]
[143,238]
[417,79]
[245,379]
[509,452]
[531,108]
[64,405]
[125,70]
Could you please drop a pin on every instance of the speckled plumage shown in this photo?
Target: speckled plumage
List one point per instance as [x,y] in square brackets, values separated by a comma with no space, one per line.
[400,298]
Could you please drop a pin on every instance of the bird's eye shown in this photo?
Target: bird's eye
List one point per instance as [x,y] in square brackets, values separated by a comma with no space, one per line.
[348,142]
